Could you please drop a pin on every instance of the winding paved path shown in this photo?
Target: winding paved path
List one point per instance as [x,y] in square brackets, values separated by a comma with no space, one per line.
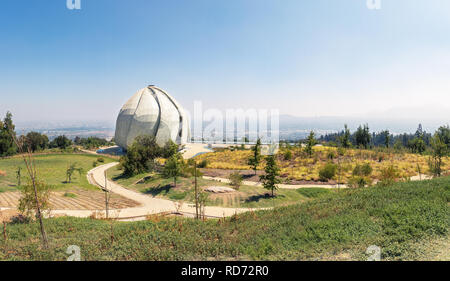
[148,205]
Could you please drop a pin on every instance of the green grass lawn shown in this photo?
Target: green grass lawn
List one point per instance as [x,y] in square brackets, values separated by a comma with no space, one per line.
[335,226]
[51,169]
[246,197]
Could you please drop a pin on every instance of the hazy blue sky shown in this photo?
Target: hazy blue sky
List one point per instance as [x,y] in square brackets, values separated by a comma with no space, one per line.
[307,58]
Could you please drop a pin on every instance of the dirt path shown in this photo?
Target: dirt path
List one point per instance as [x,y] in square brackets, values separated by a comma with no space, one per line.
[283,186]
[297,186]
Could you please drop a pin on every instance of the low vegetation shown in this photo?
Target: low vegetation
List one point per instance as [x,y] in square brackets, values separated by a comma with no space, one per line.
[301,167]
[334,226]
[54,168]
[158,185]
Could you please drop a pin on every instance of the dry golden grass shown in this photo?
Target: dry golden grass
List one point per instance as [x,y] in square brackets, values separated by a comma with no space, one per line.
[303,167]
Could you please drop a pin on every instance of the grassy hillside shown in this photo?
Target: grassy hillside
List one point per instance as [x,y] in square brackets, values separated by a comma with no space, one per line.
[335,226]
[51,168]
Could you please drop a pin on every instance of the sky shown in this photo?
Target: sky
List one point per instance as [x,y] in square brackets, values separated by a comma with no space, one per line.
[306,58]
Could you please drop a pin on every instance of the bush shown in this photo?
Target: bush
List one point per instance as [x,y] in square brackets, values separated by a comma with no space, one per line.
[341,151]
[327,172]
[363,170]
[203,164]
[235,180]
[94,164]
[287,155]
[358,181]
[388,175]
[331,155]
[100,160]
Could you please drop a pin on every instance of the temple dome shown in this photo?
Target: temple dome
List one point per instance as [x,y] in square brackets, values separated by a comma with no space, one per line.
[152,111]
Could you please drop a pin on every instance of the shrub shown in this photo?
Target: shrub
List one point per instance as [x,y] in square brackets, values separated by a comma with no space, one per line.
[341,151]
[235,180]
[287,155]
[100,160]
[388,175]
[327,172]
[203,164]
[27,202]
[331,155]
[358,181]
[94,164]
[363,170]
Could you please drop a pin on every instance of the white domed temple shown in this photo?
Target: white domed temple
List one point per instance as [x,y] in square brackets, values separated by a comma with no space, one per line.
[152,111]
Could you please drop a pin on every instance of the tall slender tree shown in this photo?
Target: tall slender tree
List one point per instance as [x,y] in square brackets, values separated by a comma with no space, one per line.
[255,158]
[345,139]
[7,129]
[310,143]
[439,151]
[362,136]
[38,189]
[272,173]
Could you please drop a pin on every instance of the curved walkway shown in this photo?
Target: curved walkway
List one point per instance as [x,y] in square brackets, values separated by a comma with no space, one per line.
[148,205]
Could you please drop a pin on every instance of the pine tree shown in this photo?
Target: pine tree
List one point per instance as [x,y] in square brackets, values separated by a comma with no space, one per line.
[310,143]
[270,179]
[255,159]
[7,145]
[345,139]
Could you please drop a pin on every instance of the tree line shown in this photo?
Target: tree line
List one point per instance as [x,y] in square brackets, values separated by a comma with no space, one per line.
[39,142]
[418,142]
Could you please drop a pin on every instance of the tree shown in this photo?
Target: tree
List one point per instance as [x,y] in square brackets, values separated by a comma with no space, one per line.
[71,170]
[7,146]
[235,180]
[255,159]
[362,136]
[417,145]
[19,176]
[169,149]
[387,138]
[37,141]
[439,150]
[173,168]
[345,139]
[91,142]
[61,142]
[310,143]
[419,132]
[35,193]
[444,134]
[140,156]
[272,173]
